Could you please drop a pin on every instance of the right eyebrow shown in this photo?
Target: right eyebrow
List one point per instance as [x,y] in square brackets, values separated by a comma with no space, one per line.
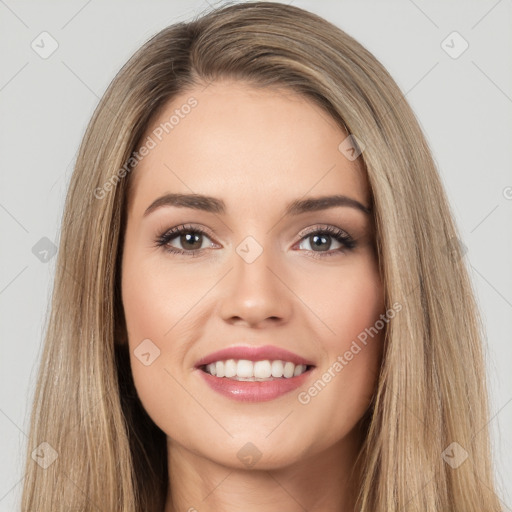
[195,201]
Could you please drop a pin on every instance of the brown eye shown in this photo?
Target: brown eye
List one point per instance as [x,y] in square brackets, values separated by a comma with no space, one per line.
[191,241]
[321,240]
[183,240]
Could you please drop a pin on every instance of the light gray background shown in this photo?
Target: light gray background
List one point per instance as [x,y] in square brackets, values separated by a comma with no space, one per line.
[464,105]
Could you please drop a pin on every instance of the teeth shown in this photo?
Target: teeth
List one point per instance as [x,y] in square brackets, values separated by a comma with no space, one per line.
[230,368]
[258,370]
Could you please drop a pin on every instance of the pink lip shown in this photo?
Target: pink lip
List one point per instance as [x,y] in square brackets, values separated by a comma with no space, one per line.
[253,354]
[247,391]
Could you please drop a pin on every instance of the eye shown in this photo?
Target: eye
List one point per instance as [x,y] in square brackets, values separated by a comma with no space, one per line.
[321,238]
[191,239]
[188,237]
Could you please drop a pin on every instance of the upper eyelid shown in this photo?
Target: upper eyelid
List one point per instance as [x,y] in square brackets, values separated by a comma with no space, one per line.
[187,227]
[321,227]
[202,229]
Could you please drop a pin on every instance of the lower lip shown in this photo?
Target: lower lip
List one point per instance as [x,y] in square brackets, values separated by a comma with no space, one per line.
[247,391]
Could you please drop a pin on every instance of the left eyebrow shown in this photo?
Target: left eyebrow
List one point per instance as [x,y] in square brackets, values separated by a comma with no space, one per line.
[218,206]
[314,204]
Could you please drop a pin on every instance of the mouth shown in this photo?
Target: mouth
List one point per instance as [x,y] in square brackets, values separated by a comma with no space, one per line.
[259,380]
[254,364]
[255,371]
[255,374]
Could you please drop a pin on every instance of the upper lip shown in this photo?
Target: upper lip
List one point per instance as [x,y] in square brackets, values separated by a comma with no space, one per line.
[252,353]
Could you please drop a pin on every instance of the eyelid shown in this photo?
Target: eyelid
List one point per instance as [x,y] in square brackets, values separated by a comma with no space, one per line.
[342,236]
[323,227]
[188,226]
[305,232]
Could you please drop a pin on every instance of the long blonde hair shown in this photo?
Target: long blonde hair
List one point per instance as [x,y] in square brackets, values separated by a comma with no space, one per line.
[431,391]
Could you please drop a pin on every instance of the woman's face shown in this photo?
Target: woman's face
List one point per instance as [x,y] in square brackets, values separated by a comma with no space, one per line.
[253,268]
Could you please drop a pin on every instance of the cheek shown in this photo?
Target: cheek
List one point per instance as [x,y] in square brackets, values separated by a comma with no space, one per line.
[154,299]
[353,346]
[347,300]
[155,305]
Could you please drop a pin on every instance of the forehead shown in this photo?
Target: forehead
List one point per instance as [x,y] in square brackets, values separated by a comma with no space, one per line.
[248,145]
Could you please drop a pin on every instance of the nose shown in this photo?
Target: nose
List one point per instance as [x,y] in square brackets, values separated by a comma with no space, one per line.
[254,293]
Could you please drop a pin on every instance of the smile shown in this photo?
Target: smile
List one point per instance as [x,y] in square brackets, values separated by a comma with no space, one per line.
[245,370]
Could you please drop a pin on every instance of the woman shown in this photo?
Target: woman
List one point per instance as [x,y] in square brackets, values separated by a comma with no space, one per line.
[201,353]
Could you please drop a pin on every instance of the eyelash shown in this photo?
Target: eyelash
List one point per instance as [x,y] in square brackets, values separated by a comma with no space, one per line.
[348,243]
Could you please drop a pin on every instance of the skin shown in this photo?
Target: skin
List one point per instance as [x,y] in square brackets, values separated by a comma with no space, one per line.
[257,149]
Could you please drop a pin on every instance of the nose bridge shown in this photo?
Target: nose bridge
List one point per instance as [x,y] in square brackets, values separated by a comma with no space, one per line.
[254,291]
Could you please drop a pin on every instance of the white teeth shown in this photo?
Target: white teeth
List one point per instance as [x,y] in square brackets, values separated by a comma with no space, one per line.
[230,368]
[244,368]
[277,368]
[288,370]
[257,370]
[297,370]
[219,370]
[262,369]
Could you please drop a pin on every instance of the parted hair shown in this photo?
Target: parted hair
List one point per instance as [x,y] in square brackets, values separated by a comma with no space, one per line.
[431,389]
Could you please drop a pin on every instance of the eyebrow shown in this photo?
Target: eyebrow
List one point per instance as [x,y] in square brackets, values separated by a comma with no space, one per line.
[218,206]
